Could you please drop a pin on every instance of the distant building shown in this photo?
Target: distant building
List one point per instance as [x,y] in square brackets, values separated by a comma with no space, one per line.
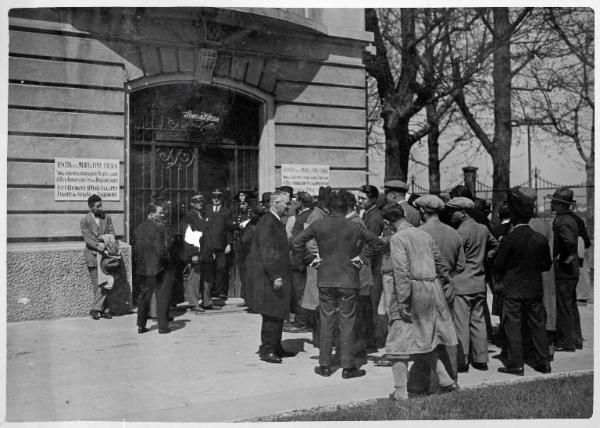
[142,103]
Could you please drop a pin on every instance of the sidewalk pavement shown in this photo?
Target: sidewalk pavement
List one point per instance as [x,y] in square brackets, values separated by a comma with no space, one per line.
[206,370]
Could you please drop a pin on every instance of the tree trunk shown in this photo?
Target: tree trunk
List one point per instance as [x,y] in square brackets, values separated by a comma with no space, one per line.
[433,149]
[501,75]
[397,148]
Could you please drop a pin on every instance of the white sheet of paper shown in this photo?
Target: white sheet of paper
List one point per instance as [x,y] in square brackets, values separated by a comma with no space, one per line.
[192,236]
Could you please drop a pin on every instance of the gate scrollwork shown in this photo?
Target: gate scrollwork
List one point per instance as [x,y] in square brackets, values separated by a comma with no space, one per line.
[180,157]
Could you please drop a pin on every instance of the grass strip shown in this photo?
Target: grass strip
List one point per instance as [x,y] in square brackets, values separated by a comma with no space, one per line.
[557,398]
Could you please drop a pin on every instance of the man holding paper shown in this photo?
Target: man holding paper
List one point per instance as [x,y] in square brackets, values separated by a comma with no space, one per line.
[198,253]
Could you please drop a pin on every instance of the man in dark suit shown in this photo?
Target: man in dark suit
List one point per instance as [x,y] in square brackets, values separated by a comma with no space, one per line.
[566,271]
[94,224]
[219,230]
[152,262]
[373,219]
[305,207]
[521,258]
[338,281]
[270,277]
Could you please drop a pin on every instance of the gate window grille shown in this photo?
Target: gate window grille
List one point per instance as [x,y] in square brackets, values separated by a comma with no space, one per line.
[171,161]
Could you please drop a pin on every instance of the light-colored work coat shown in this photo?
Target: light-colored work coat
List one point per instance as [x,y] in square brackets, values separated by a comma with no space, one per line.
[416,266]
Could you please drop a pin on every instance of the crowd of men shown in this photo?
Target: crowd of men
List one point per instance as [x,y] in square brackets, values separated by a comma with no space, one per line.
[367,272]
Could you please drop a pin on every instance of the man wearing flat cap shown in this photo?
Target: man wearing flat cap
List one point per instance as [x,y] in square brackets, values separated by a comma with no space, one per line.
[469,286]
[451,249]
[566,271]
[220,225]
[395,193]
[522,256]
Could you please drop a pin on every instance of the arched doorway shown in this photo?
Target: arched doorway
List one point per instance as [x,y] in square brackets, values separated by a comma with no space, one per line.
[187,138]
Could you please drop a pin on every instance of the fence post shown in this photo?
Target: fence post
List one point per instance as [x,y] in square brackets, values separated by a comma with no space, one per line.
[470,177]
[536,174]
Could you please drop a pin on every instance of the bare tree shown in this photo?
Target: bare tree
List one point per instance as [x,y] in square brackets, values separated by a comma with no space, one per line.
[562,96]
[411,67]
[498,22]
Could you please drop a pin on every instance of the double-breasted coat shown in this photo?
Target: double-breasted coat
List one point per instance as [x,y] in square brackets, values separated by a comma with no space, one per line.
[267,260]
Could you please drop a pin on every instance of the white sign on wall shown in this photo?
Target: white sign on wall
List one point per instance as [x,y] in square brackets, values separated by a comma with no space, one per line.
[76,179]
[305,178]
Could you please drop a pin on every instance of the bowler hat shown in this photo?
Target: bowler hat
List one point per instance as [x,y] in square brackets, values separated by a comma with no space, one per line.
[564,195]
[395,185]
[429,203]
[460,203]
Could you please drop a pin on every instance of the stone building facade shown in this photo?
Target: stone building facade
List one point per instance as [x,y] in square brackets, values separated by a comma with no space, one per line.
[185,99]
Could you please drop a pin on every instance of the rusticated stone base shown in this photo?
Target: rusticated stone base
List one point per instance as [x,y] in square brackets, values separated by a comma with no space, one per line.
[52,281]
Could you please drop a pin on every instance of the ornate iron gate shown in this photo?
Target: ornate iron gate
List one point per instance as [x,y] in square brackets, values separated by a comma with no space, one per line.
[183,142]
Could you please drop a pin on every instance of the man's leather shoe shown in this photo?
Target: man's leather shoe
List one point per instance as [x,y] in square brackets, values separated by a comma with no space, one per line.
[480,366]
[463,369]
[543,368]
[270,358]
[107,315]
[165,330]
[353,372]
[449,388]
[564,349]
[323,371]
[519,371]
[96,314]
[196,309]
[285,354]
[142,330]
[207,307]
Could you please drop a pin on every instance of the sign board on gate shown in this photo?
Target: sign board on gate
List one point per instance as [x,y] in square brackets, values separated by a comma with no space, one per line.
[76,179]
[305,178]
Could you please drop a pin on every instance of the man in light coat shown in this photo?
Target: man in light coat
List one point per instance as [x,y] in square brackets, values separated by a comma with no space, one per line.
[94,224]
[470,288]
[451,249]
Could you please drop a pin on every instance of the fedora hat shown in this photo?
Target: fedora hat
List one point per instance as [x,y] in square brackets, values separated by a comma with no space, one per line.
[564,195]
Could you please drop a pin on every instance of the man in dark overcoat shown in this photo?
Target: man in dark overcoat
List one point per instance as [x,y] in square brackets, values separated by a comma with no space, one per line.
[522,256]
[373,219]
[219,230]
[151,253]
[270,277]
[566,271]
